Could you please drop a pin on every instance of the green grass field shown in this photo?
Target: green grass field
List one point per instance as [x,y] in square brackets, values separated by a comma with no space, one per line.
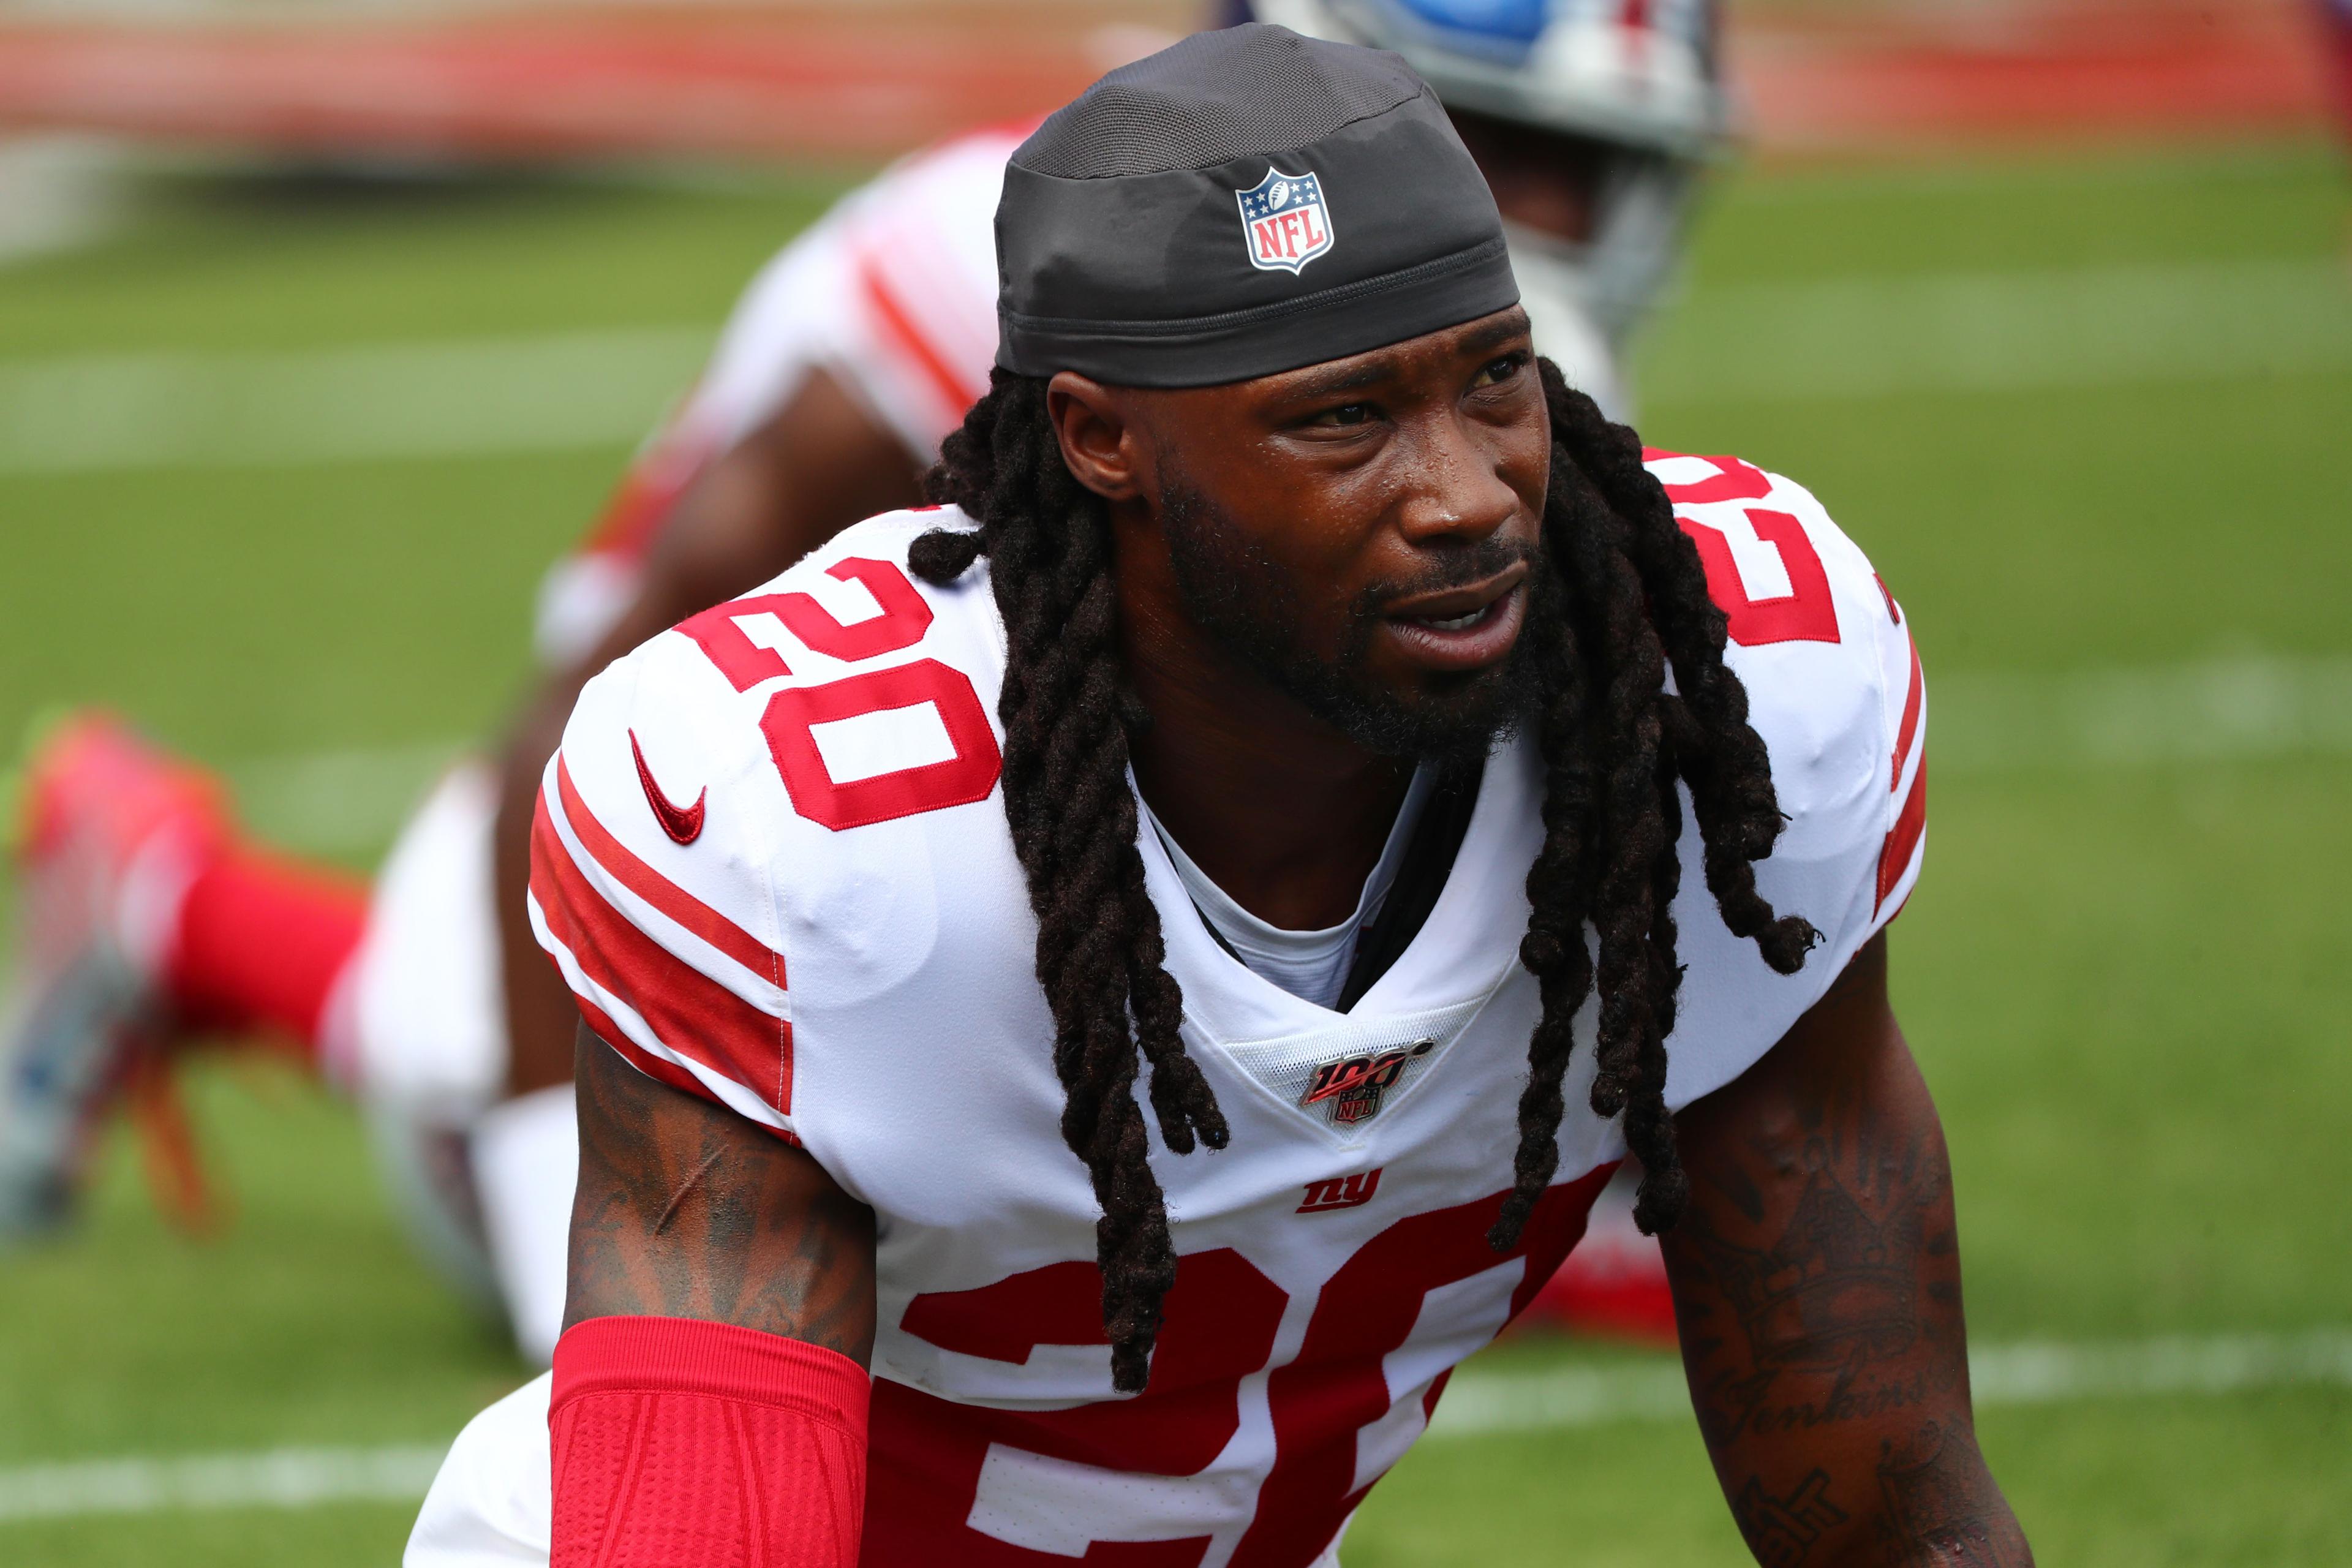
[2088,415]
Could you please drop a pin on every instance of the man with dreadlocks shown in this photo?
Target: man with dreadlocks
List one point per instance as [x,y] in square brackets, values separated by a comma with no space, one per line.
[1100,993]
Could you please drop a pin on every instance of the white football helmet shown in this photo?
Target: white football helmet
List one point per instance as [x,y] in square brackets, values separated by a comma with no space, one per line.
[1640,78]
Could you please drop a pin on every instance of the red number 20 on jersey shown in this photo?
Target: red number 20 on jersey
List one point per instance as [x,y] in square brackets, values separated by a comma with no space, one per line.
[1807,612]
[742,638]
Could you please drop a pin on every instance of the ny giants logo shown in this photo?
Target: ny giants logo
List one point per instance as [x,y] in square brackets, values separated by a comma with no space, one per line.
[1342,1191]
[1285,221]
[1354,1085]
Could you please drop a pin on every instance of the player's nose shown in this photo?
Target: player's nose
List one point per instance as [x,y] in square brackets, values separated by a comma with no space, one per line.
[1457,487]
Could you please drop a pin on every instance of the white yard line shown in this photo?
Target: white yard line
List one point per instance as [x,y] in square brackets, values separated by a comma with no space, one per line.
[281,1477]
[2223,709]
[1829,337]
[2028,1374]
[1996,331]
[458,399]
[1476,1403]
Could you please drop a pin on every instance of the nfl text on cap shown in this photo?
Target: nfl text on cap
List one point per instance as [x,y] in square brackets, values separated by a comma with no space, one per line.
[1243,201]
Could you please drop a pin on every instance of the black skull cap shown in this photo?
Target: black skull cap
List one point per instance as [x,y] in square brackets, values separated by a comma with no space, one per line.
[1243,201]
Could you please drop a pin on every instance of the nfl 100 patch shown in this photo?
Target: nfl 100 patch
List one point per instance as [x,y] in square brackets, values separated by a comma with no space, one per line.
[1285,221]
[1353,1087]
[1353,1070]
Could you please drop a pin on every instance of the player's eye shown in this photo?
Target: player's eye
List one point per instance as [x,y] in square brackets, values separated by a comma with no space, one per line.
[1499,371]
[1346,417]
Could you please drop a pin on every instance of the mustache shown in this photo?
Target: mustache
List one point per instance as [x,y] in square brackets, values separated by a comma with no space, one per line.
[1475,564]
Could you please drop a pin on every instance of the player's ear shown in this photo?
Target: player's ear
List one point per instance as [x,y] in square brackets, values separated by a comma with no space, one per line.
[1099,439]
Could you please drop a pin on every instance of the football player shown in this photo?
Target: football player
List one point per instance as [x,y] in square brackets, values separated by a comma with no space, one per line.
[145,916]
[1098,993]
[1592,121]
[849,357]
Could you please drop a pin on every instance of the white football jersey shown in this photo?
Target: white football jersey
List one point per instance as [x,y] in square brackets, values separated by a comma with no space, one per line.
[892,292]
[773,864]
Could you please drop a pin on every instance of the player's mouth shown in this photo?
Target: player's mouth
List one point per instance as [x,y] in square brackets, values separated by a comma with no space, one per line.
[1463,628]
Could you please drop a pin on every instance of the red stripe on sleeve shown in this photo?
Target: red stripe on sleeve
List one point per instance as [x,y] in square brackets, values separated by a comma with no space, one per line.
[643,502]
[601,1023]
[1909,729]
[688,1011]
[668,1072]
[1894,859]
[900,328]
[658,891]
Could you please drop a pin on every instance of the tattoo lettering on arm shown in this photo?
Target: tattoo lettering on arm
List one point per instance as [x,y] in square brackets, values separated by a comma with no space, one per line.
[1817,1287]
[1836,1315]
[1781,1530]
[685,1210]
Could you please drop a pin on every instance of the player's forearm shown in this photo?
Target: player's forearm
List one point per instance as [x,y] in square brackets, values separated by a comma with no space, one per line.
[1938,1508]
[1829,1366]
[1817,1281]
[710,1393]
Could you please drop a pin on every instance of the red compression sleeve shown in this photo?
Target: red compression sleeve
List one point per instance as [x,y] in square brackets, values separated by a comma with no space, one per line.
[262,942]
[685,1443]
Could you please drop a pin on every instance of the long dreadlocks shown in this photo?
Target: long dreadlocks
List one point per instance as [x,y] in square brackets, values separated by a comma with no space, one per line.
[1621,597]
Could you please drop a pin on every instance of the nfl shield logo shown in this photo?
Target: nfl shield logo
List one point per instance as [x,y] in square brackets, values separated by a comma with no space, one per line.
[1285,221]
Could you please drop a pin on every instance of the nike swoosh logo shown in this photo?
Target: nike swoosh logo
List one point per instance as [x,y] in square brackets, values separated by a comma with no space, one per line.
[682,823]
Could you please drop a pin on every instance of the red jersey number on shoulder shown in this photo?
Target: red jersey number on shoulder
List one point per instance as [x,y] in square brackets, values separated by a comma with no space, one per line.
[1806,613]
[968,773]
[929,702]
[1733,479]
[742,636]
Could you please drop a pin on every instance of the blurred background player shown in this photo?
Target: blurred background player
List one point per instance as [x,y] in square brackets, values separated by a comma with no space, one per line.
[149,917]
[2336,24]
[1591,119]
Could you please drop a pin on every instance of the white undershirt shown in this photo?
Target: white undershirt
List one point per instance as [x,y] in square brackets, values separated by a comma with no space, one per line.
[1312,965]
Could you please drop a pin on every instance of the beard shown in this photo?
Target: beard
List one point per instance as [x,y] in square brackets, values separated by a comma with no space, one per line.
[1252,607]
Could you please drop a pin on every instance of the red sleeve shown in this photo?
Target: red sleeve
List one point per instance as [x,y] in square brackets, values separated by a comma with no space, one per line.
[677,1441]
[681,991]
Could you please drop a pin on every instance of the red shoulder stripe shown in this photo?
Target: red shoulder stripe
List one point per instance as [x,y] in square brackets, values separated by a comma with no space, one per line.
[1908,731]
[662,1071]
[602,1025]
[1894,858]
[655,479]
[658,891]
[689,1013]
[900,327]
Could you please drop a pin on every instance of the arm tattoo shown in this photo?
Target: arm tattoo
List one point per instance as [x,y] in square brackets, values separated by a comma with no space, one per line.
[1942,1510]
[1843,1301]
[1781,1530]
[1817,1287]
[685,1210]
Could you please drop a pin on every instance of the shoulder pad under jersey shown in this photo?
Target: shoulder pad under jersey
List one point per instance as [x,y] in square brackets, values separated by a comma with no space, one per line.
[1835,692]
[775,773]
